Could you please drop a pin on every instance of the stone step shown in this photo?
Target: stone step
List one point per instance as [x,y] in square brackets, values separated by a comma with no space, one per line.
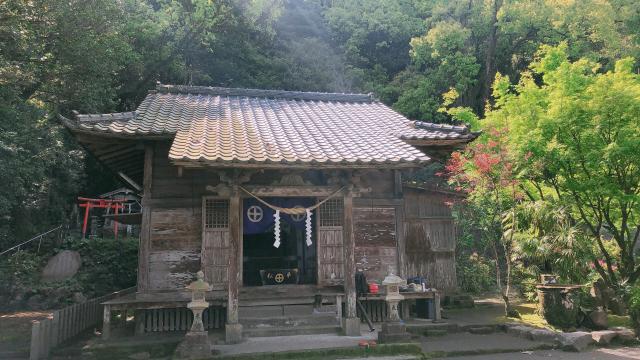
[288,321]
[283,310]
[287,331]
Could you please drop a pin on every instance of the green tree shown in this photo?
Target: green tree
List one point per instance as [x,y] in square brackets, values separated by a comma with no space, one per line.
[576,134]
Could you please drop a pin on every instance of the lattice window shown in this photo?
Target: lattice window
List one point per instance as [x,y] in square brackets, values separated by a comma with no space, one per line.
[216,214]
[331,213]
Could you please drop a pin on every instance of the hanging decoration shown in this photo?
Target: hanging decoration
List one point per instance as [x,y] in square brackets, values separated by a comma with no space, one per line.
[308,227]
[298,210]
[276,229]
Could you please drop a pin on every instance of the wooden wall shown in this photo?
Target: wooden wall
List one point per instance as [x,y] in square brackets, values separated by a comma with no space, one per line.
[414,236]
[376,249]
[175,224]
[430,238]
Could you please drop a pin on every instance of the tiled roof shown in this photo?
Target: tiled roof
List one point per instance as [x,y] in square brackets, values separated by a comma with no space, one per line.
[236,126]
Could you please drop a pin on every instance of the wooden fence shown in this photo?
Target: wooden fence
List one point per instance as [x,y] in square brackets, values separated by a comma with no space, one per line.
[68,323]
[180,319]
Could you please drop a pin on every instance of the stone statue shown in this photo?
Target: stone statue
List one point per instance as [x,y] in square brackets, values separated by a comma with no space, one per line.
[196,344]
[393,330]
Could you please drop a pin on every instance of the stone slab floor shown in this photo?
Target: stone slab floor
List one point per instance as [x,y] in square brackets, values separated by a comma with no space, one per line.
[469,342]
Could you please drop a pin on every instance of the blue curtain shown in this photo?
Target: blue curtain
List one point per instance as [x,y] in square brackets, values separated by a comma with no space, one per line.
[252,223]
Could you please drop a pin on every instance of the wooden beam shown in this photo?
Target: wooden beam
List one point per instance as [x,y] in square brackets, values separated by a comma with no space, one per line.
[130,181]
[132,156]
[319,191]
[102,150]
[145,228]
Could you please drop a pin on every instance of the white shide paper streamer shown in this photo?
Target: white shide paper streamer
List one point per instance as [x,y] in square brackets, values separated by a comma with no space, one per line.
[308,227]
[276,229]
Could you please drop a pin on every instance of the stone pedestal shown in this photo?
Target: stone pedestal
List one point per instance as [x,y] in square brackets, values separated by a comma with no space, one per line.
[393,332]
[352,326]
[195,345]
[233,333]
[557,304]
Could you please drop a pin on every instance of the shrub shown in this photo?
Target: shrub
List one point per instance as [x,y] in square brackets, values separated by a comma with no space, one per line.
[475,274]
[107,265]
[19,271]
[634,307]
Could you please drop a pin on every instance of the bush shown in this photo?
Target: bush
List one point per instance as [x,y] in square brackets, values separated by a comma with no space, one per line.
[475,274]
[634,307]
[107,265]
[19,272]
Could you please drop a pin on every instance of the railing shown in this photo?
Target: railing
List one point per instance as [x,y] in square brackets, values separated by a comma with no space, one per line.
[68,323]
[60,229]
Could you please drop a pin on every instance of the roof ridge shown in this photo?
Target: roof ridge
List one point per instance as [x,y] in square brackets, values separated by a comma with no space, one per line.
[275,94]
[115,116]
[442,127]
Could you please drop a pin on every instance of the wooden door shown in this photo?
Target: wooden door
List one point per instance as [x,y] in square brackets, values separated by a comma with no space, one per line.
[330,243]
[216,250]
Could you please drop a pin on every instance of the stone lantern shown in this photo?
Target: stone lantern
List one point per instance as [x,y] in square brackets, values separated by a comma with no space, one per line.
[196,343]
[393,329]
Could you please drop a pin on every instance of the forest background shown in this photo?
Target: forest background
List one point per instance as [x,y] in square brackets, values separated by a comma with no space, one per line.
[496,64]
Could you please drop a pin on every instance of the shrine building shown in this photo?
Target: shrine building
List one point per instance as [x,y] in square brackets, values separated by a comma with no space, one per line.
[279,197]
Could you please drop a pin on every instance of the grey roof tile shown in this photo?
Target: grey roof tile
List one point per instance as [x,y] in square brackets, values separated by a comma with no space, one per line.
[247,125]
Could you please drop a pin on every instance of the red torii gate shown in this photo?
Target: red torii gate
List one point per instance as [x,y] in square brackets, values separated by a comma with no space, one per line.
[88,204]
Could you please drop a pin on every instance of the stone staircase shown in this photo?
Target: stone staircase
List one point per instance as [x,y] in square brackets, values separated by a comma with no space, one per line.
[288,319]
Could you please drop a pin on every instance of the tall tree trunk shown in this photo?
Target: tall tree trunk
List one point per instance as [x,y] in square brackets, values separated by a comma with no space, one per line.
[489,61]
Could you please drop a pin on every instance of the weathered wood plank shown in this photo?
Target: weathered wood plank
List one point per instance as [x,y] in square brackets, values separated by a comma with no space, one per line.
[145,233]
[235,242]
[349,256]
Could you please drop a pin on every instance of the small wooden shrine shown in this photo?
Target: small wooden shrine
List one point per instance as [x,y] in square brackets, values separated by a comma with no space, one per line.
[277,196]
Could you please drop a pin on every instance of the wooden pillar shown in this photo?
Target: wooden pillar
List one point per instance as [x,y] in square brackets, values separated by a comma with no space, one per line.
[233,330]
[436,307]
[397,184]
[106,322]
[352,322]
[140,319]
[145,228]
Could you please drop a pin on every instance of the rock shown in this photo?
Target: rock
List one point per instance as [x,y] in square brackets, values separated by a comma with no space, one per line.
[624,334]
[481,330]
[79,298]
[599,319]
[603,337]
[576,341]
[617,306]
[140,356]
[544,335]
[519,330]
[62,266]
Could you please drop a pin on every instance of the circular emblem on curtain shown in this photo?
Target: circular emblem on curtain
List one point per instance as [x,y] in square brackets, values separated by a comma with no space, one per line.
[255,213]
[298,217]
